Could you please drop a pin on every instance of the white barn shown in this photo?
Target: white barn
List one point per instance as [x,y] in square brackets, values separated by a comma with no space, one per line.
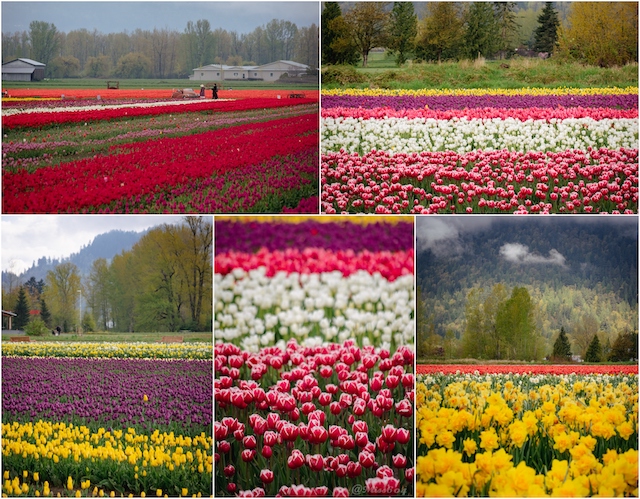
[267,72]
[23,69]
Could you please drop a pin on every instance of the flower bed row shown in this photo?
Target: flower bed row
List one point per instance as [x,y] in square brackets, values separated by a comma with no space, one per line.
[313,282]
[276,185]
[112,95]
[600,180]
[527,369]
[48,118]
[480,153]
[139,350]
[125,426]
[335,420]
[144,168]
[527,435]
[147,393]
[465,92]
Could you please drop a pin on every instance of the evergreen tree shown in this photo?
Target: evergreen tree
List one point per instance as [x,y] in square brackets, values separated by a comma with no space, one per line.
[22,310]
[45,315]
[625,348]
[330,12]
[561,347]
[481,30]
[402,30]
[507,26]
[337,46]
[594,352]
[546,35]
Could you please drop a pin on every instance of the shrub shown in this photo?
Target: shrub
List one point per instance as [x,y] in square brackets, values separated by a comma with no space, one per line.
[342,75]
[36,327]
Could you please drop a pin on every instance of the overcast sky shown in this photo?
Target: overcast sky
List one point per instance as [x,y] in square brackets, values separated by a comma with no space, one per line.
[26,238]
[442,234]
[116,17]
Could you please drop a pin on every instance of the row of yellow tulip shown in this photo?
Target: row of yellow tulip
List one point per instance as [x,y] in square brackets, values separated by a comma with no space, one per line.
[62,453]
[431,92]
[128,350]
[527,435]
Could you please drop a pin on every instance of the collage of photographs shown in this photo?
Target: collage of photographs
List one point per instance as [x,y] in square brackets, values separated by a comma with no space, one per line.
[319,249]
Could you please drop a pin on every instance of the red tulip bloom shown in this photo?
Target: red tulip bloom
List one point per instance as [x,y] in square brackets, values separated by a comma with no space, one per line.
[354,469]
[270,438]
[249,442]
[296,459]
[335,408]
[266,451]
[404,408]
[289,432]
[359,426]
[318,434]
[341,471]
[266,476]
[399,461]
[231,488]
[229,470]
[340,492]
[324,398]
[224,447]
[366,459]
[315,462]
[402,435]
[384,471]
[389,433]
[248,455]
[408,474]
[220,431]
[392,381]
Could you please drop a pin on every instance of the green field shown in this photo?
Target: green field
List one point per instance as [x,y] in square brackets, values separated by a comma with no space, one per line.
[150,84]
[520,72]
[187,337]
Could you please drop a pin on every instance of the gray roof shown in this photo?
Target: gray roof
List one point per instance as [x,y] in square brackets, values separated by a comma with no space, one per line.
[28,61]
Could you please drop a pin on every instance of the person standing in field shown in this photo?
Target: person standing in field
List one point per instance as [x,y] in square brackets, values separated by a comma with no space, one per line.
[202,91]
[215,91]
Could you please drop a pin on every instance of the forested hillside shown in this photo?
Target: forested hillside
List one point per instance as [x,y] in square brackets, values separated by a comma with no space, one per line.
[579,274]
[162,281]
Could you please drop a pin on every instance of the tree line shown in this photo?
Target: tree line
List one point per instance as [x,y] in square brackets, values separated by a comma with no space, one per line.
[596,33]
[499,326]
[159,53]
[164,283]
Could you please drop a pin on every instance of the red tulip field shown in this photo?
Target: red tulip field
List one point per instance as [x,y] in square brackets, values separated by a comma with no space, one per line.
[86,151]
[313,361]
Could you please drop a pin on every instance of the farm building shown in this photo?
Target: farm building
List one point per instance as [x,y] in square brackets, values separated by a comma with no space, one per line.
[23,70]
[267,72]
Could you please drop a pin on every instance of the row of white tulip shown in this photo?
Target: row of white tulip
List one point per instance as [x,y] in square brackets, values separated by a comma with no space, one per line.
[465,135]
[254,310]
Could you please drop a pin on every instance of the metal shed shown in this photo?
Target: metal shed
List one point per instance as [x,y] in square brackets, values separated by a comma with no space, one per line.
[23,69]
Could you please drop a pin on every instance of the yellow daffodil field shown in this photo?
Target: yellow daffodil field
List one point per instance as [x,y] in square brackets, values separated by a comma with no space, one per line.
[116,420]
[527,434]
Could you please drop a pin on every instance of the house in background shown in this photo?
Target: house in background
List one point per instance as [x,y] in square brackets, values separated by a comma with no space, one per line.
[267,72]
[23,70]
[7,319]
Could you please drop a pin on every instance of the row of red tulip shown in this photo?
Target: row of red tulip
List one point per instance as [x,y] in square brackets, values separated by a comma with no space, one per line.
[144,168]
[532,113]
[495,181]
[335,418]
[526,369]
[41,119]
[390,264]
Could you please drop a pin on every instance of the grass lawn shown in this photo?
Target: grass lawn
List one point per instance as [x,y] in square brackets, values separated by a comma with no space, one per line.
[520,72]
[121,337]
